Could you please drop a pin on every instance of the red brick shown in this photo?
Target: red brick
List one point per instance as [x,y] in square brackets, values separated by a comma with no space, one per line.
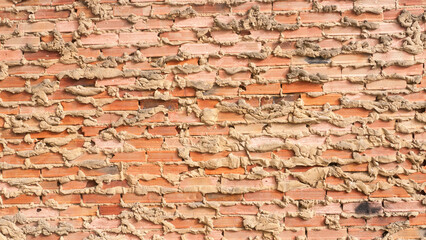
[346,195]
[292,5]
[309,193]
[36,27]
[146,143]
[388,28]
[127,10]
[326,233]
[316,221]
[148,198]
[59,172]
[62,199]
[352,222]
[411,2]
[228,61]
[242,47]
[100,39]
[351,112]
[263,89]
[223,197]
[284,19]
[51,13]
[10,55]
[21,173]
[331,208]
[383,221]
[77,211]
[195,22]
[8,211]
[303,32]
[239,209]
[135,37]
[183,117]
[354,167]
[110,209]
[411,206]
[416,69]
[391,192]
[144,169]
[332,99]
[47,158]
[301,87]
[409,233]
[20,15]
[265,195]
[26,69]
[228,222]
[275,74]
[113,24]
[186,223]
[208,130]
[163,156]
[183,197]
[122,106]
[21,199]
[418,220]
[160,51]
[364,16]
[364,234]
[387,84]
[75,185]
[336,153]
[308,17]
[97,198]
[129,157]
[219,171]
[174,169]
[199,48]
[154,24]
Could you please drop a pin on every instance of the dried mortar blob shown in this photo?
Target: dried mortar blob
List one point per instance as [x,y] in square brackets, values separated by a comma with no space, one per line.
[212,120]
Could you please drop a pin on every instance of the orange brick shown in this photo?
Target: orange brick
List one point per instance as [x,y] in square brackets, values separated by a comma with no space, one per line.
[77,211]
[163,156]
[97,198]
[219,171]
[301,87]
[144,169]
[309,193]
[346,195]
[129,157]
[332,99]
[391,192]
[22,199]
[59,172]
[316,221]
[271,88]
[122,106]
[148,198]
[21,173]
[62,199]
[183,197]
[186,223]
[228,222]
[418,220]
[146,143]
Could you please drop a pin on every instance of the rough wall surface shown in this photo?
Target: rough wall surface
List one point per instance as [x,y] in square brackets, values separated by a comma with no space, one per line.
[212,119]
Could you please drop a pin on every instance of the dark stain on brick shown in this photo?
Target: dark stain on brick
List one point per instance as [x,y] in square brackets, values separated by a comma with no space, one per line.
[317,60]
[367,208]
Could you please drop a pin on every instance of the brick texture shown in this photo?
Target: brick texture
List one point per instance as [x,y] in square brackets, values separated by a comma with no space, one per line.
[179,119]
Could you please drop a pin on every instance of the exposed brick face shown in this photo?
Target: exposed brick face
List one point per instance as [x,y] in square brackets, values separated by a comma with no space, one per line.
[180,119]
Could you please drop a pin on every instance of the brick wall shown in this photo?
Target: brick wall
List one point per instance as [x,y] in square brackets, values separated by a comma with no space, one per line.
[176,119]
